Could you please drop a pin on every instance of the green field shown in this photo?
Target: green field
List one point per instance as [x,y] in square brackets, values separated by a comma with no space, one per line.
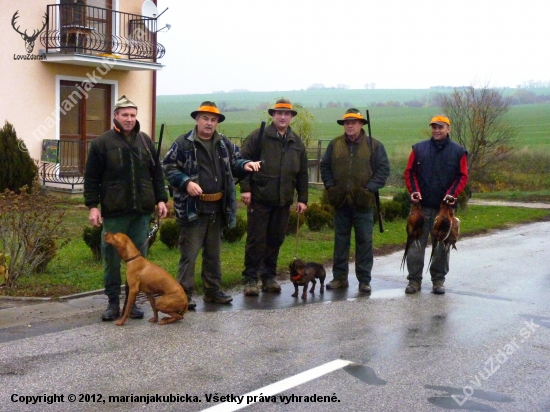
[398,127]
[393,122]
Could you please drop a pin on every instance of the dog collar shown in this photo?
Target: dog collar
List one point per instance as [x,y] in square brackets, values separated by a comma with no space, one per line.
[296,278]
[132,258]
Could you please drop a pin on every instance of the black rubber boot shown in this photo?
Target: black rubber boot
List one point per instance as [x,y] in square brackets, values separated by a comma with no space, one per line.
[112,312]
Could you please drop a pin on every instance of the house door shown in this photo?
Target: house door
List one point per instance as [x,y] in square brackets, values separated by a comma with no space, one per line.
[82,119]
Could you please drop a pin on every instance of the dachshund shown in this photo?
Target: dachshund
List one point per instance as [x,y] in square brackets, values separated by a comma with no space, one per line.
[302,273]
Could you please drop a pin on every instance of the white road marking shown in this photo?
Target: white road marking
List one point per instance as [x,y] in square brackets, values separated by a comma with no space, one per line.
[282,386]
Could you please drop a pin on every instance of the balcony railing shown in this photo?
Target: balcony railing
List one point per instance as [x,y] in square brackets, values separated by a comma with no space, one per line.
[65,164]
[66,168]
[82,29]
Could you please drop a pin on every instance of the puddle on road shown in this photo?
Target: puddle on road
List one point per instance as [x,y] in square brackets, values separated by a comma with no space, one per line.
[388,293]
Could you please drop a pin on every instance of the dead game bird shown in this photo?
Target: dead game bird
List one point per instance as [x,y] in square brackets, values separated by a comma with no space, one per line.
[415,222]
[446,227]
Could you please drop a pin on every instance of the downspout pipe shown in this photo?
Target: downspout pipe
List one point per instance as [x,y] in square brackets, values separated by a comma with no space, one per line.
[154,98]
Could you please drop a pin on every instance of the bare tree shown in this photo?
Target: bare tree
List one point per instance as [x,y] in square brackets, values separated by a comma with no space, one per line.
[478,123]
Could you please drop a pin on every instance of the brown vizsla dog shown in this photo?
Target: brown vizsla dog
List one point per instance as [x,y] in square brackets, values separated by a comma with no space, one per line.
[143,275]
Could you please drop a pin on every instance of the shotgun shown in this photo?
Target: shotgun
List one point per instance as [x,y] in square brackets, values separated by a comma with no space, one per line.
[376,194]
[258,152]
[160,141]
[170,188]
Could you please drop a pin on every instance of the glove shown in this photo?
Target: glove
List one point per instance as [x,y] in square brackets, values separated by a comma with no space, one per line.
[449,199]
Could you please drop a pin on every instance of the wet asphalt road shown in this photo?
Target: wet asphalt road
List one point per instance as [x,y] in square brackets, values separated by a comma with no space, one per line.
[484,346]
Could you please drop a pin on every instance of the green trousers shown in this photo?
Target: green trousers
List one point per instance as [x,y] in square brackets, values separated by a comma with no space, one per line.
[136,227]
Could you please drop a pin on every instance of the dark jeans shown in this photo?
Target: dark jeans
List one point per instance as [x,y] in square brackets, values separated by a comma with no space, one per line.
[203,233]
[266,232]
[415,256]
[346,218]
[136,227]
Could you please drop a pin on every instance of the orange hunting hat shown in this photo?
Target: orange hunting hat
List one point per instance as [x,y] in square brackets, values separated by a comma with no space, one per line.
[352,114]
[208,107]
[282,104]
[440,120]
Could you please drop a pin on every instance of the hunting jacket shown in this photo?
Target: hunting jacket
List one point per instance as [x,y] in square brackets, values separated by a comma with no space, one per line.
[120,176]
[283,169]
[436,169]
[347,173]
[181,167]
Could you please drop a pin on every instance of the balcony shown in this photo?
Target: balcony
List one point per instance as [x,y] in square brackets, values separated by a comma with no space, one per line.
[84,35]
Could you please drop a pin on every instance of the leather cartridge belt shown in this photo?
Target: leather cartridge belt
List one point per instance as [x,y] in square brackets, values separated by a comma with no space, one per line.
[211,197]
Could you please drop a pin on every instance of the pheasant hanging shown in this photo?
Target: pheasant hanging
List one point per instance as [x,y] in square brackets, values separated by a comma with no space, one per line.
[446,227]
[415,223]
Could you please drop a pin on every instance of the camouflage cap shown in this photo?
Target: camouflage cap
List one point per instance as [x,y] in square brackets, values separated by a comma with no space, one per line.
[123,102]
[352,114]
[208,107]
[284,105]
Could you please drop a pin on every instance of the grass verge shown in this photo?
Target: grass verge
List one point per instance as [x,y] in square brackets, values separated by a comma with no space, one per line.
[74,269]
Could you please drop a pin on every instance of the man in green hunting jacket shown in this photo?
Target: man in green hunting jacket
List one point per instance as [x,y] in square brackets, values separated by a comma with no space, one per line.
[122,178]
[269,193]
[353,167]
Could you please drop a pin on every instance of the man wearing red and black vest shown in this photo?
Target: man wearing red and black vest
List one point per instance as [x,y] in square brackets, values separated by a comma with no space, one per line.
[437,170]
[353,168]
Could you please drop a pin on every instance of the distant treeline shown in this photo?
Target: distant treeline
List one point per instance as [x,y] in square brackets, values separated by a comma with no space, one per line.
[518,97]
[239,101]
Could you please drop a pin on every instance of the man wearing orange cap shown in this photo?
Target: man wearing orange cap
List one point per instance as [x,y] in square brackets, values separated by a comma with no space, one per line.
[269,193]
[353,168]
[437,170]
[200,166]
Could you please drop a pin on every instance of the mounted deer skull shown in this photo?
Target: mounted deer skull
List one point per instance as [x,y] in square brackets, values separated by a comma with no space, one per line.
[29,40]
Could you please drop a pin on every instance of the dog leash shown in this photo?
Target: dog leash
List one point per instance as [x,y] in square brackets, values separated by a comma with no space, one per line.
[297,230]
[151,232]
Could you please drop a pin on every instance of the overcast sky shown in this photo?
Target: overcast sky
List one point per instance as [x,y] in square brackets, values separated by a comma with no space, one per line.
[261,45]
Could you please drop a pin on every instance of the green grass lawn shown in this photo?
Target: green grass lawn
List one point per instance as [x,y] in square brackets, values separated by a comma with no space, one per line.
[74,270]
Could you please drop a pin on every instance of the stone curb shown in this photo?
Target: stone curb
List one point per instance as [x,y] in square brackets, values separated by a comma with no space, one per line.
[83,294]
[40,299]
[29,298]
